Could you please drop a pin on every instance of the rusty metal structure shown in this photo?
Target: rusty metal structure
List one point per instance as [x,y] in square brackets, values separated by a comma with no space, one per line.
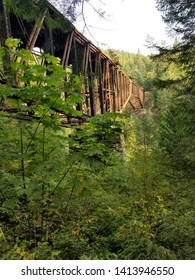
[106,88]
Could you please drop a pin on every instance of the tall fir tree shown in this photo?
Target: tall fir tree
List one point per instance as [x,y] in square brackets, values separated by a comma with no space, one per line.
[177,128]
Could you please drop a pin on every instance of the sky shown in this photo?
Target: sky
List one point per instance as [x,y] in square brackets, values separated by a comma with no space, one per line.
[126,26]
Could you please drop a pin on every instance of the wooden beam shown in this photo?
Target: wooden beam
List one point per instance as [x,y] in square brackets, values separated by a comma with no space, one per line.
[97,84]
[91,87]
[36,30]
[75,56]
[85,77]
[67,48]
[117,89]
[125,104]
[100,83]
[108,96]
[104,84]
[113,89]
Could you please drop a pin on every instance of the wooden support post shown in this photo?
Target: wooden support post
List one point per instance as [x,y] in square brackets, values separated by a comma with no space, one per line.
[117,89]
[101,85]
[98,88]
[130,87]
[67,48]
[104,84]
[141,96]
[91,87]
[65,59]
[108,95]
[85,77]
[80,105]
[65,51]
[86,62]
[121,90]
[113,89]
[84,59]
[75,56]
[128,91]
[133,88]
[35,32]
[123,79]
[127,87]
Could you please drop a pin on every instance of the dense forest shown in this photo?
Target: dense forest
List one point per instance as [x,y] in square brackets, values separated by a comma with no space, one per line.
[69,193]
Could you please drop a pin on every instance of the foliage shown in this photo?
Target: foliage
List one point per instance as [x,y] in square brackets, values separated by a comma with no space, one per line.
[180,18]
[74,9]
[70,193]
[30,11]
[44,167]
[68,8]
[177,123]
[177,134]
[179,15]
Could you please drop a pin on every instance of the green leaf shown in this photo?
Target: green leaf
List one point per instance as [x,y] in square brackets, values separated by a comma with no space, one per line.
[12,42]
[10,203]
[25,55]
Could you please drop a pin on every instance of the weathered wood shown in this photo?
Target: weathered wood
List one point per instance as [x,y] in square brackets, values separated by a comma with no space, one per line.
[75,57]
[85,79]
[104,84]
[67,49]
[117,81]
[105,87]
[35,32]
[91,87]
[100,86]
[108,95]
[113,88]
[86,60]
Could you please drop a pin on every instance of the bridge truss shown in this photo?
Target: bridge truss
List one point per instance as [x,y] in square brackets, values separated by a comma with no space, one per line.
[106,88]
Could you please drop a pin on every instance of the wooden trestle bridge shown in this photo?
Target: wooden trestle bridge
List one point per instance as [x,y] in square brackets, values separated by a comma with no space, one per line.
[106,87]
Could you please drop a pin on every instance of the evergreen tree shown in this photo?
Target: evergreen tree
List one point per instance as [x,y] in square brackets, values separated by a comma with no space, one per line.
[69,7]
[180,17]
[177,129]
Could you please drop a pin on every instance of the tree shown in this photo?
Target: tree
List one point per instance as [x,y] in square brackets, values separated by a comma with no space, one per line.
[180,17]
[73,9]
[76,10]
[68,8]
[44,165]
[177,129]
